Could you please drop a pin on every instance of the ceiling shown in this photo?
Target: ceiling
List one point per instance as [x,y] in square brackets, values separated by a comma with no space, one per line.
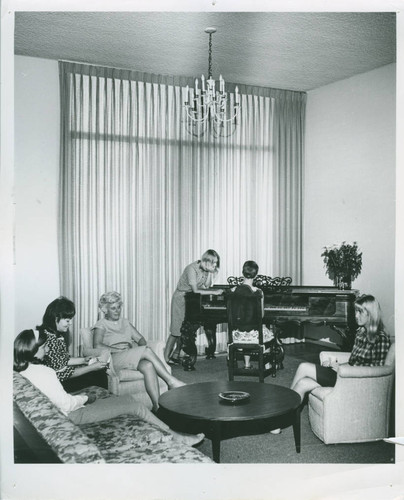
[286,50]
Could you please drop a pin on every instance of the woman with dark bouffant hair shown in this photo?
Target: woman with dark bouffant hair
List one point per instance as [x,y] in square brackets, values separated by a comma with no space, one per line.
[30,347]
[73,373]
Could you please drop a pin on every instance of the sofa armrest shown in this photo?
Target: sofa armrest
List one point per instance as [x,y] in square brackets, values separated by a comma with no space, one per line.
[66,439]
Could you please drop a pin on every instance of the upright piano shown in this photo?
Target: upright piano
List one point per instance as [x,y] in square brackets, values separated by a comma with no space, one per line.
[319,305]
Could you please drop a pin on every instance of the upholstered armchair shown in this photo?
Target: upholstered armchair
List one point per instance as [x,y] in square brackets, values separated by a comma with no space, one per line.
[357,408]
[126,381]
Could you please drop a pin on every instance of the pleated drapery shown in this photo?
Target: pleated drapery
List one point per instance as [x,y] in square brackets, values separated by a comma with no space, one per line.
[140,197]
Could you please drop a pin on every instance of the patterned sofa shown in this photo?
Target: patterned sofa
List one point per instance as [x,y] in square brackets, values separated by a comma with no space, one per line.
[123,439]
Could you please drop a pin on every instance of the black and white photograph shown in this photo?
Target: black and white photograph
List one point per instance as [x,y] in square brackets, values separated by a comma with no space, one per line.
[201,281]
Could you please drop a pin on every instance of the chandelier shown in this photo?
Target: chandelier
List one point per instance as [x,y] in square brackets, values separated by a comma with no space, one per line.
[207,101]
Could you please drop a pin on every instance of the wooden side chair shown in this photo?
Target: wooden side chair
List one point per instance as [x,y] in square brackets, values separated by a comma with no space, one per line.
[246,338]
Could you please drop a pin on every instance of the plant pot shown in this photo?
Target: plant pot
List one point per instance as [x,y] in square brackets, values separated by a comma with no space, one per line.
[343,283]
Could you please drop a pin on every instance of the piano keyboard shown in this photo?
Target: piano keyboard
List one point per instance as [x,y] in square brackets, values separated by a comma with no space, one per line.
[287,308]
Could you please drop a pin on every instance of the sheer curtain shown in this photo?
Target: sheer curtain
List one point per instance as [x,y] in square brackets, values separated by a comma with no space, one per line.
[140,197]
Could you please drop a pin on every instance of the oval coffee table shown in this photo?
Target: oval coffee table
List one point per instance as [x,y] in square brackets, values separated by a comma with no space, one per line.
[197,408]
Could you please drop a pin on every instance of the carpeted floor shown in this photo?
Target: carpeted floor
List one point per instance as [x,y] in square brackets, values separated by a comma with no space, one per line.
[269,448]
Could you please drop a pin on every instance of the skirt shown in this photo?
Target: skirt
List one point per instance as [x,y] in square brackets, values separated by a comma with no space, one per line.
[326,376]
[128,359]
[177,313]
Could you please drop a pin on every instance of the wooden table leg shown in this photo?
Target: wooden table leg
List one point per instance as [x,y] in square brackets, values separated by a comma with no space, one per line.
[296,430]
[216,437]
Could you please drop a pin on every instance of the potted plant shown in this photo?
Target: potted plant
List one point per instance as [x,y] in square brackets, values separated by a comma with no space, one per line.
[343,263]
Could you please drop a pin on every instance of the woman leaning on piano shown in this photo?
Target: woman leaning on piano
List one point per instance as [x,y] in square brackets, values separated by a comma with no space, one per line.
[197,277]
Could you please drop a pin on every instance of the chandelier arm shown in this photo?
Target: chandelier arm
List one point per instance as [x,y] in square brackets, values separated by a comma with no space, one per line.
[194,118]
[218,119]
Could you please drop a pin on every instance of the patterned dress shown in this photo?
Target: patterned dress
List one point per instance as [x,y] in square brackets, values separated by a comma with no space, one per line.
[193,274]
[58,357]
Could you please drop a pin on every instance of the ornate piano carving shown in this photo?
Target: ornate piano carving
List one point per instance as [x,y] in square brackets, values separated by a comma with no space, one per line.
[300,304]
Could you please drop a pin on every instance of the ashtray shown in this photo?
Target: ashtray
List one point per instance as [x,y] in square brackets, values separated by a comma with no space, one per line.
[234,397]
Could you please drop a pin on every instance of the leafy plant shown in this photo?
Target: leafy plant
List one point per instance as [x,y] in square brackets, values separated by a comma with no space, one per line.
[343,262]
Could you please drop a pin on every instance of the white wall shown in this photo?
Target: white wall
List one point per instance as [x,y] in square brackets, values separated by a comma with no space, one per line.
[36,188]
[350,180]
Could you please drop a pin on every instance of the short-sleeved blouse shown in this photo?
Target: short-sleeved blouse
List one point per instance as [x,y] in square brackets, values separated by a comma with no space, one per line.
[193,274]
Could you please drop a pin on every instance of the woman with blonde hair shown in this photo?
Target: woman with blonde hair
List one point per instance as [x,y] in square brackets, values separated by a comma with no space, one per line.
[370,349]
[197,277]
[129,348]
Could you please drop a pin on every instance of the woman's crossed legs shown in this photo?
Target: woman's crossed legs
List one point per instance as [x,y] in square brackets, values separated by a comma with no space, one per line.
[305,379]
[151,366]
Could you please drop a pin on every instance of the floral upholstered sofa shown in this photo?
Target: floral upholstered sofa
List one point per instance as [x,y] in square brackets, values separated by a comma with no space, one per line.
[123,439]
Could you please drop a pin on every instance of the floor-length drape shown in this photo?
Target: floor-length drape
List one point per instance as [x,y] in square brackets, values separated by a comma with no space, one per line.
[140,197]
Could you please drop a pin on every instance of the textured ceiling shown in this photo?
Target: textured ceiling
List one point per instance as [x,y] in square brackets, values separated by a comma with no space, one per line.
[296,51]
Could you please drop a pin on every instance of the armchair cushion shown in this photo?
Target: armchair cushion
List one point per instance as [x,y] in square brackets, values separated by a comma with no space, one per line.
[87,346]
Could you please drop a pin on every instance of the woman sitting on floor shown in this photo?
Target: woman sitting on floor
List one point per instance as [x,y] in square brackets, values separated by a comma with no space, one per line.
[30,347]
[129,348]
[370,349]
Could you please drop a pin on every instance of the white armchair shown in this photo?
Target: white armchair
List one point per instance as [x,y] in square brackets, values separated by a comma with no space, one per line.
[357,408]
[126,381]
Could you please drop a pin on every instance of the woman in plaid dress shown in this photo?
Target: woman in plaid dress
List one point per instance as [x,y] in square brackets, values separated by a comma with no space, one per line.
[370,349]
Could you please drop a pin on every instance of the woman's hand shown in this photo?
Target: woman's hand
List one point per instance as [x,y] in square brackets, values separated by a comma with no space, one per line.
[98,365]
[91,397]
[218,291]
[331,363]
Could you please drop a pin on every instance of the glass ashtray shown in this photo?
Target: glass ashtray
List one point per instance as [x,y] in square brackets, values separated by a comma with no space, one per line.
[234,397]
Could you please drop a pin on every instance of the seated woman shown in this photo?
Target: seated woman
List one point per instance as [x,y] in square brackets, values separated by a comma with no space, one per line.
[31,346]
[129,348]
[370,349]
[74,373]
[250,271]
